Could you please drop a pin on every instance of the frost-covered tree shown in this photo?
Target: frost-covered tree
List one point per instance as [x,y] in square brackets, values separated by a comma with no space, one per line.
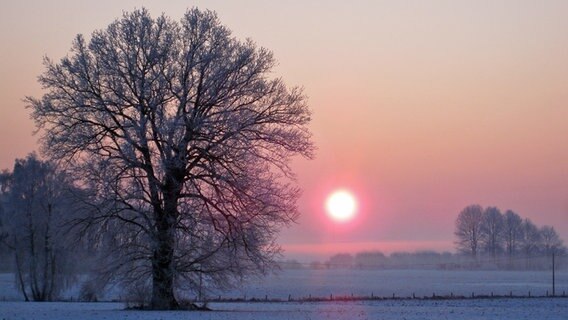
[5,258]
[530,240]
[38,200]
[492,231]
[550,241]
[468,229]
[184,139]
[512,230]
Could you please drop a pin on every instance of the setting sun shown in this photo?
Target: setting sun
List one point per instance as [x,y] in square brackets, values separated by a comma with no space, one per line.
[341,205]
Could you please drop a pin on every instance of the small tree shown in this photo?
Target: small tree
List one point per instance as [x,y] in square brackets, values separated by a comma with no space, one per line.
[185,142]
[37,204]
[492,231]
[550,241]
[468,229]
[512,225]
[530,241]
[5,254]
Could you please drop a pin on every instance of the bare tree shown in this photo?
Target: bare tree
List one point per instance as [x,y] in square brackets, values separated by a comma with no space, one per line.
[512,224]
[37,204]
[551,242]
[530,241]
[5,254]
[468,229]
[508,233]
[185,142]
[492,230]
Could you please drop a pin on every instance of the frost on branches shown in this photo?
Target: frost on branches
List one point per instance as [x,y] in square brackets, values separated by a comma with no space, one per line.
[184,142]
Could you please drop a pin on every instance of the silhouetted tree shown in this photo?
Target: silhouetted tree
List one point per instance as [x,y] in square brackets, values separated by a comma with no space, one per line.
[5,256]
[492,230]
[38,200]
[512,229]
[530,241]
[184,141]
[506,233]
[551,242]
[468,229]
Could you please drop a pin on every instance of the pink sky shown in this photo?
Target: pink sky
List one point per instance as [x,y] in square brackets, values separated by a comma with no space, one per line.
[420,107]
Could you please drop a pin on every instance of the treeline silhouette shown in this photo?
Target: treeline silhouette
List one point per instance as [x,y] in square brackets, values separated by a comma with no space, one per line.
[486,239]
[430,260]
[506,240]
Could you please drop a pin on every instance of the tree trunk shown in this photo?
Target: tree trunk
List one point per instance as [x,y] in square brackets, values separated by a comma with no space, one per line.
[163,297]
[20,276]
[162,284]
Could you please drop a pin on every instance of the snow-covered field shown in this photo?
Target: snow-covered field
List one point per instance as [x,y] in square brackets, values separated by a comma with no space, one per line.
[383,283]
[402,283]
[322,283]
[535,308]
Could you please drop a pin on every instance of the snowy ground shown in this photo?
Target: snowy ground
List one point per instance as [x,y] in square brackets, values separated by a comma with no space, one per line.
[402,283]
[535,308]
[322,283]
[383,283]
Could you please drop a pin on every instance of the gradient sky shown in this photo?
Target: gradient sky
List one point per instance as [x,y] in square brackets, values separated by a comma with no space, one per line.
[420,107]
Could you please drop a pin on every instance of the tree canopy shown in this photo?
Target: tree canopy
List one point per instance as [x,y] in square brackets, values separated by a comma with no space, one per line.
[184,140]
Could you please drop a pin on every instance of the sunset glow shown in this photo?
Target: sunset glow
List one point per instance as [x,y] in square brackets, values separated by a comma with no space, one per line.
[341,205]
[418,108]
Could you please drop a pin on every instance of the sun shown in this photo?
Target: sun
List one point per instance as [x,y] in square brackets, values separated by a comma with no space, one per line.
[341,205]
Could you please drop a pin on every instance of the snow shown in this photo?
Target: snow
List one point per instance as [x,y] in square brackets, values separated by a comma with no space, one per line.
[403,283]
[322,283]
[384,283]
[535,308]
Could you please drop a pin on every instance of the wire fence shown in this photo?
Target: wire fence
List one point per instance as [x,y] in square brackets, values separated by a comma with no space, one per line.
[372,297]
[500,284]
[439,261]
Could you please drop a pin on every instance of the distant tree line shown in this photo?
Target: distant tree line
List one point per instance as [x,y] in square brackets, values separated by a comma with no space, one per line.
[423,260]
[486,239]
[487,232]
[377,260]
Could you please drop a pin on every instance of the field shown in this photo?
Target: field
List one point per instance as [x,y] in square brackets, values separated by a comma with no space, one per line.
[402,283]
[536,308]
[323,283]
